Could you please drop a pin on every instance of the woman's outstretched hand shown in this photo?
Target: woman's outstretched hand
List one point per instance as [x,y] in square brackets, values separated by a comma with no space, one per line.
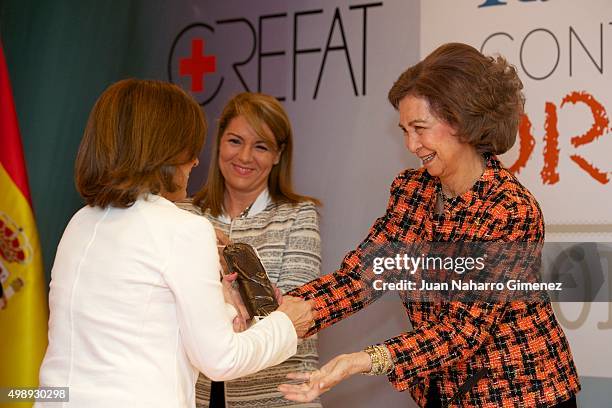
[317,382]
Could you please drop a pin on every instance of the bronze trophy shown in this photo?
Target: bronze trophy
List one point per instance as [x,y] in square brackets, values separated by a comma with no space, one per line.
[254,285]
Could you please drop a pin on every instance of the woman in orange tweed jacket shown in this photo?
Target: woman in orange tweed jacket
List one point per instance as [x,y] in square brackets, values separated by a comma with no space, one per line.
[457,110]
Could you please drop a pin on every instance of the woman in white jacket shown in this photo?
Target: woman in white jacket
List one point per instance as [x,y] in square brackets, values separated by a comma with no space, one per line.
[137,306]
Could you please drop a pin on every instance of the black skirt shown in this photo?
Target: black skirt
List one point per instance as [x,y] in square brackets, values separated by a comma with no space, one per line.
[217,394]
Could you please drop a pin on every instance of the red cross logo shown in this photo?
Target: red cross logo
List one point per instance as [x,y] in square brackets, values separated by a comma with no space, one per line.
[197,65]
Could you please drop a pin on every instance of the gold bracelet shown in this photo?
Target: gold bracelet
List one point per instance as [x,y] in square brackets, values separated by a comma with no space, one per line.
[382,363]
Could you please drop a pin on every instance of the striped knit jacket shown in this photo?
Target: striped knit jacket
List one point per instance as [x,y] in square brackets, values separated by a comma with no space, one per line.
[287,240]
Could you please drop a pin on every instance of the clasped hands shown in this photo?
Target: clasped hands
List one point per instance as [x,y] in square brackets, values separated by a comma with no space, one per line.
[299,311]
[302,316]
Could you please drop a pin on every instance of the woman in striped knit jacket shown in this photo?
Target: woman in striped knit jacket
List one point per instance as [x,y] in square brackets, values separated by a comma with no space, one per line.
[249,198]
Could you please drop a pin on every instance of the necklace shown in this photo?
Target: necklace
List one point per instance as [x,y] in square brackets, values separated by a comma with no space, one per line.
[245,213]
[440,203]
[449,194]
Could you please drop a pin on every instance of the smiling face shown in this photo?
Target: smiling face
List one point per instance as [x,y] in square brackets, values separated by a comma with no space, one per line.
[246,158]
[433,141]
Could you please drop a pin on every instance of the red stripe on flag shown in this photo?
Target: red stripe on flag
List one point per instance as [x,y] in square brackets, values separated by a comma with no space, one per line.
[11,149]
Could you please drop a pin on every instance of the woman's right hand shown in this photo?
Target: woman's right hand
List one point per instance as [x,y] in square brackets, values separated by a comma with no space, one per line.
[300,312]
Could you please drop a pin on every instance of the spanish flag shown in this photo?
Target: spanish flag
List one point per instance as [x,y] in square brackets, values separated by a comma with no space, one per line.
[23,301]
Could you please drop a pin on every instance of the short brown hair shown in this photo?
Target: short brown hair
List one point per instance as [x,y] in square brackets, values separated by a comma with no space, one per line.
[479,96]
[258,110]
[137,133]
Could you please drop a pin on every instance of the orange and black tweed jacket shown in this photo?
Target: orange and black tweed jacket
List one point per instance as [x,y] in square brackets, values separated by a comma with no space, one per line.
[506,354]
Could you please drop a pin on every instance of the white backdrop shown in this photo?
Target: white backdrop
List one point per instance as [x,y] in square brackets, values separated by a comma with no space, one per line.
[562,54]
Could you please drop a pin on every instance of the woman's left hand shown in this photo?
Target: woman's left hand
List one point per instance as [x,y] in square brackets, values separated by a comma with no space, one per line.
[317,382]
[232,296]
[222,241]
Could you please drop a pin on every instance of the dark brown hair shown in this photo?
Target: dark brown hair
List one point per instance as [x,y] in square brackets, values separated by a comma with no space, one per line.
[479,96]
[258,110]
[137,132]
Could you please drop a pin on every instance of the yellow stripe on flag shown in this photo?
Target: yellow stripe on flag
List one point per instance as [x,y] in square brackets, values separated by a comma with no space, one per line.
[23,320]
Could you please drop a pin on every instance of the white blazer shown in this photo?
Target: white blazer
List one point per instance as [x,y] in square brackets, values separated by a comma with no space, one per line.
[137,309]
